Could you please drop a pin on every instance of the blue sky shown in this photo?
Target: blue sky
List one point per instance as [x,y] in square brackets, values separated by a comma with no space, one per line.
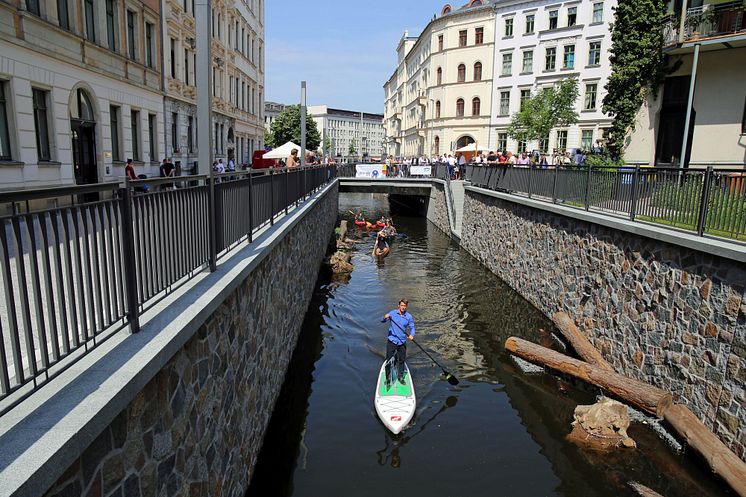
[345,50]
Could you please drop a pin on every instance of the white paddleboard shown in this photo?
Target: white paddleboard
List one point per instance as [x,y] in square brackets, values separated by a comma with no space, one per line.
[395,402]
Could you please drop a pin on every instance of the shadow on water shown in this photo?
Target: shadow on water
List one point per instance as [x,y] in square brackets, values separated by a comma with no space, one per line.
[499,432]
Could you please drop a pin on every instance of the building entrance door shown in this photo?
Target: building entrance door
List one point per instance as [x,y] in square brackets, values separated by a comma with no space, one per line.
[84,152]
[671,123]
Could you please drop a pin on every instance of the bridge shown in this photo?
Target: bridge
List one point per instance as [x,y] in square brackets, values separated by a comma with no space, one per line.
[120,325]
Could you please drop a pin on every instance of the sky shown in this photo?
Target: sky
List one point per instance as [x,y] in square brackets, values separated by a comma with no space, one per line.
[344,50]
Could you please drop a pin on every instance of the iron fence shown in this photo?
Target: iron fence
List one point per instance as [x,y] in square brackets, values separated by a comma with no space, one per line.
[95,257]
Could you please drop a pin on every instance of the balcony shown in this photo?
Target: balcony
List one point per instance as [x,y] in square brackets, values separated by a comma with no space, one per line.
[708,23]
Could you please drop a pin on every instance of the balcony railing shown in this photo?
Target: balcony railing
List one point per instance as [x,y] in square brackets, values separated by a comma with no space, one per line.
[707,21]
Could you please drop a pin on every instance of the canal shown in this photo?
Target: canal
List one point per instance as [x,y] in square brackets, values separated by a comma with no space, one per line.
[500,432]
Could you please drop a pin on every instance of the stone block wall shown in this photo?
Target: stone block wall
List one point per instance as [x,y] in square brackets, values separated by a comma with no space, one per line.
[437,208]
[197,427]
[662,313]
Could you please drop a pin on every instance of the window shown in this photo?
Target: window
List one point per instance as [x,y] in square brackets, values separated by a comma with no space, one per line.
[460,107]
[551,59]
[509,27]
[544,144]
[152,136]
[521,146]
[590,96]
[598,12]
[63,14]
[525,95]
[461,73]
[462,38]
[568,61]
[530,23]
[90,21]
[4,125]
[476,105]
[116,153]
[507,64]
[437,109]
[436,145]
[33,7]
[111,24]
[528,61]
[572,16]
[586,140]
[175,131]
[504,102]
[186,67]
[562,140]
[149,45]
[440,43]
[478,36]
[553,18]
[131,48]
[439,76]
[41,124]
[173,62]
[502,142]
[594,53]
[135,128]
[222,135]
[478,71]
[190,132]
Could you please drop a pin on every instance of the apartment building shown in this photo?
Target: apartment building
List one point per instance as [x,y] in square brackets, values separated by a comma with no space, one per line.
[706,41]
[271,111]
[344,129]
[464,77]
[80,90]
[237,78]
[538,43]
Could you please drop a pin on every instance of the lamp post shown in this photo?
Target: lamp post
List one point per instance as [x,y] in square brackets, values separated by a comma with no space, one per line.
[303,121]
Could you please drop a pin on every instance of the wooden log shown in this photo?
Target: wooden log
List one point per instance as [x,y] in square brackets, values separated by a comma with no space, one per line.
[643,490]
[721,459]
[579,342]
[641,395]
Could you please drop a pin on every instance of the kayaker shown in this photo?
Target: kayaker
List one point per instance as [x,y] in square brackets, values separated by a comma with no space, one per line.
[382,243]
[396,345]
[389,229]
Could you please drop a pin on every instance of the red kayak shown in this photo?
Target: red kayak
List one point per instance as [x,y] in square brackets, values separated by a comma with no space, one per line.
[359,223]
[380,224]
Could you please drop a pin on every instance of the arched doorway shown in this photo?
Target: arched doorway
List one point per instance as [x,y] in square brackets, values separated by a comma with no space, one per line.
[464,141]
[83,129]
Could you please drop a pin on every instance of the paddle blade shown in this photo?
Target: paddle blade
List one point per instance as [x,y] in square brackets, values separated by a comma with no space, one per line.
[450,378]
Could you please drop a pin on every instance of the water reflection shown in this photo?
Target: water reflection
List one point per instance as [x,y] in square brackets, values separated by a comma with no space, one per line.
[500,432]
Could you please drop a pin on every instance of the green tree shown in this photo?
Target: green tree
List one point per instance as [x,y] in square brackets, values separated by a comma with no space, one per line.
[353,147]
[328,145]
[550,107]
[638,64]
[286,127]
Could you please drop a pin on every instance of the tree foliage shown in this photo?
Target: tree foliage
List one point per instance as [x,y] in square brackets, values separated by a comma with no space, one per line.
[286,127]
[637,62]
[551,107]
[353,147]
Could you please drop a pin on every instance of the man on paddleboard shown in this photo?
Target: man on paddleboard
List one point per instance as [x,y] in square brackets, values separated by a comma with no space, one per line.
[396,345]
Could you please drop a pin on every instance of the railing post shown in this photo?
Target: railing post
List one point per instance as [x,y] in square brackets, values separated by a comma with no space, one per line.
[211,216]
[287,191]
[554,186]
[128,254]
[530,174]
[271,198]
[633,207]
[588,189]
[251,206]
[703,202]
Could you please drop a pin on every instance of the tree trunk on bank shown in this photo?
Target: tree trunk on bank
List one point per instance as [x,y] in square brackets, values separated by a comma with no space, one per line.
[721,459]
[642,490]
[634,392]
[583,347]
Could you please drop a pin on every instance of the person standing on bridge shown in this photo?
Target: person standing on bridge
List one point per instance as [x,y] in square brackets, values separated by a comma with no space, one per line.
[396,345]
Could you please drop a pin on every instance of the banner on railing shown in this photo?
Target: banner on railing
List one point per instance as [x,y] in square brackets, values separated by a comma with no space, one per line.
[369,171]
[420,170]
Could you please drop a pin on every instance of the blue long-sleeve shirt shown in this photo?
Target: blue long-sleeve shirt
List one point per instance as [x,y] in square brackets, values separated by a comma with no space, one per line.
[397,335]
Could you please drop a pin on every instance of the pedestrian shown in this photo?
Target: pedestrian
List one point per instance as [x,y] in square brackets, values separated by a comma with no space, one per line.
[396,345]
[167,171]
[293,158]
[129,170]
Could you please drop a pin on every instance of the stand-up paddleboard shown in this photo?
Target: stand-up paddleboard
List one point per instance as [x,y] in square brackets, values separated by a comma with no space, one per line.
[395,402]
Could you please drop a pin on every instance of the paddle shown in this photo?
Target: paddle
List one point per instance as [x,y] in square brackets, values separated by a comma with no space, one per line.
[449,377]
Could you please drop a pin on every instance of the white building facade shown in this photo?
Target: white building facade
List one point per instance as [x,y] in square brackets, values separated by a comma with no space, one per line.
[346,130]
[464,77]
[271,111]
[80,91]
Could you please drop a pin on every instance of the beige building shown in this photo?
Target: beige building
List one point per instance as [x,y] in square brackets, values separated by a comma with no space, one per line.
[80,90]
[439,97]
[237,81]
[711,54]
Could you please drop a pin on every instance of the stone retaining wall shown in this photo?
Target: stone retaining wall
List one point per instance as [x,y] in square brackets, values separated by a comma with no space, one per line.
[437,209]
[662,313]
[197,427]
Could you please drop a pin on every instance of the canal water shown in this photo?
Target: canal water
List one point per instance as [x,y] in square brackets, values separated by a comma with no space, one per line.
[500,432]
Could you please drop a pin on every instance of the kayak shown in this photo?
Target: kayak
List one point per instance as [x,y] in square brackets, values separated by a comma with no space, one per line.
[381,252]
[360,223]
[395,403]
[380,224]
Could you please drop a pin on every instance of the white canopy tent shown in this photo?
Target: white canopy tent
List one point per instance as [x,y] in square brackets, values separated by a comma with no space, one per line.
[282,152]
[472,147]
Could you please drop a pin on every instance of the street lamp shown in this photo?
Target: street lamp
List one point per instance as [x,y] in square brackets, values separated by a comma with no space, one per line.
[303,121]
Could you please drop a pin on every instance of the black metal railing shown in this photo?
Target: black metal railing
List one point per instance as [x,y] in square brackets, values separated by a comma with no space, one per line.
[92,259]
